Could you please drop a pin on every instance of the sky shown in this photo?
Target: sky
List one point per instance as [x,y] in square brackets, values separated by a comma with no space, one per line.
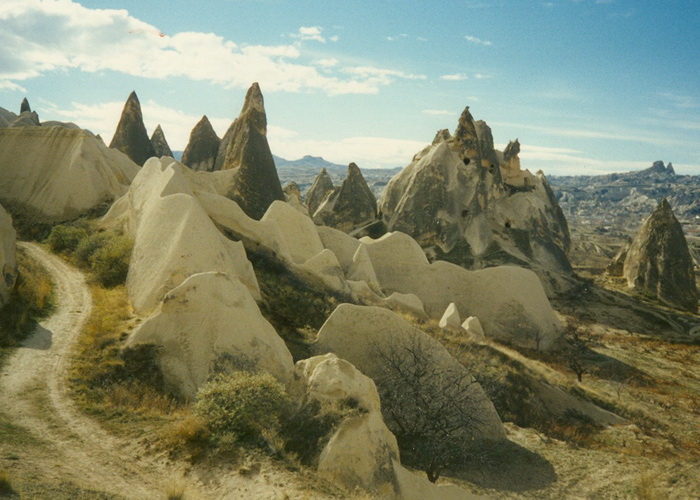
[587,86]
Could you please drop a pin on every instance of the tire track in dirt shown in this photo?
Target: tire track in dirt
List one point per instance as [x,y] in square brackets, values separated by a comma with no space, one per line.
[33,394]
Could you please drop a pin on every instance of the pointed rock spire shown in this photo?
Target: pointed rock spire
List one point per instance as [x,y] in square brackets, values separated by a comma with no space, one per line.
[659,261]
[351,206]
[130,137]
[202,148]
[318,191]
[159,143]
[24,107]
[467,139]
[256,184]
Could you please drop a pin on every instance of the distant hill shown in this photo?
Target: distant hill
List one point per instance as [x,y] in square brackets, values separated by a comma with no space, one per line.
[623,198]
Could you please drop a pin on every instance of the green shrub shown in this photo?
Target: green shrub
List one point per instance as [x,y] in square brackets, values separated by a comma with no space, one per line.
[239,406]
[65,237]
[88,246]
[110,262]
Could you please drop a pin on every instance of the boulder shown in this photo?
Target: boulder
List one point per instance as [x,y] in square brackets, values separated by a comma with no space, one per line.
[450,319]
[467,203]
[130,137]
[363,335]
[361,451]
[319,190]
[361,269]
[207,320]
[472,326]
[8,249]
[60,172]
[202,148]
[173,236]
[342,245]
[509,301]
[351,206]
[256,184]
[297,230]
[159,143]
[659,261]
[406,303]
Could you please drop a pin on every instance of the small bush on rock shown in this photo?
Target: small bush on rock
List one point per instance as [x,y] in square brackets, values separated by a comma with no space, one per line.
[110,262]
[64,237]
[239,406]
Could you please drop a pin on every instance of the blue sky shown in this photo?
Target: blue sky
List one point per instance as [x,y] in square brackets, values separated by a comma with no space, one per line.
[588,86]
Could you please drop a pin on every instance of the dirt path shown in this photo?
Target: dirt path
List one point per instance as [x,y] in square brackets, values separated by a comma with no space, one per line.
[33,396]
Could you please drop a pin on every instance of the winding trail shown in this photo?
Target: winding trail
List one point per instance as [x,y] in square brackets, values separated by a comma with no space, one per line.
[33,395]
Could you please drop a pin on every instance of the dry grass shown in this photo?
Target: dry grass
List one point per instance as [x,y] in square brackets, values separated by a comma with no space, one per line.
[176,489]
[112,381]
[30,300]
[5,484]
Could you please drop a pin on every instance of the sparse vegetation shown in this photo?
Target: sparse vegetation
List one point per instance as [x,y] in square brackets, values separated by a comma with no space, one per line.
[6,488]
[30,300]
[106,253]
[579,341]
[240,406]
[424,404]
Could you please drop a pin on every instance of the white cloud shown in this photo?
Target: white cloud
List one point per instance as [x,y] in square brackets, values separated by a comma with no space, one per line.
[477,41]
[380,76]
[456,77]
[680,101]
[328,62]
[482,76]
[310,33]
[438,112]
[95,40]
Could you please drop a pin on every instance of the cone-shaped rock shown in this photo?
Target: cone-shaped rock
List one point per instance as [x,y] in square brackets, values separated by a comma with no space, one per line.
[256,184]
[130,137]
[201,150]
[24,107]
[351,206]
[659,260]
[469,204]
[318,191]
[160,145]
[223,146]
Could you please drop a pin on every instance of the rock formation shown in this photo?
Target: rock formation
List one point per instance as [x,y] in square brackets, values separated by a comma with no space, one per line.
[24,107]
[60,172]
[256,184]
[202,148]
[211,318]
[159,143]
[351,206]
[616,265]
[8,249]
[319,190]
[131,137]
[364,336]
[467,203]
[659,262]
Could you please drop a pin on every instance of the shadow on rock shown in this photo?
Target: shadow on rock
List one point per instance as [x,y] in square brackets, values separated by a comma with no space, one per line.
[507,466]
[41,339]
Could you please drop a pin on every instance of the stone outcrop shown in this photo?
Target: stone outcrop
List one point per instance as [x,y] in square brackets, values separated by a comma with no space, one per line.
[659,262]
[210,319]
[8,249]
[509,301]
[159,143]
[131,137]
[467,203]
[361,334]
[349,207]
[256,184]
[319,190]
[60,172]
[173,236]
[202,148]
[616,265]
[450,319]
[25,107]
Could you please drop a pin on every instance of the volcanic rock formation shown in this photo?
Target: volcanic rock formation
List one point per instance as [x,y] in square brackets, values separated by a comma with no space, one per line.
[8,248]
[659,262]
[351,206]
[60,172]
[131,137]
[202,148]
[470,204]
[159,143]
[256,184]
[319,190]
[24,107]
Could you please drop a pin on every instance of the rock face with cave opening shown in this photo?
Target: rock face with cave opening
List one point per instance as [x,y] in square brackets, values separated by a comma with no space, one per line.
[468,203]
[658,260]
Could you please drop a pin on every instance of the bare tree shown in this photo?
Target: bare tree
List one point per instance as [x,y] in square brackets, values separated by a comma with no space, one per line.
[579,341]
[430,408]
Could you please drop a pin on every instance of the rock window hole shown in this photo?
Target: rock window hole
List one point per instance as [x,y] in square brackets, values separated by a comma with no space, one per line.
[508,225]
[466,161]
